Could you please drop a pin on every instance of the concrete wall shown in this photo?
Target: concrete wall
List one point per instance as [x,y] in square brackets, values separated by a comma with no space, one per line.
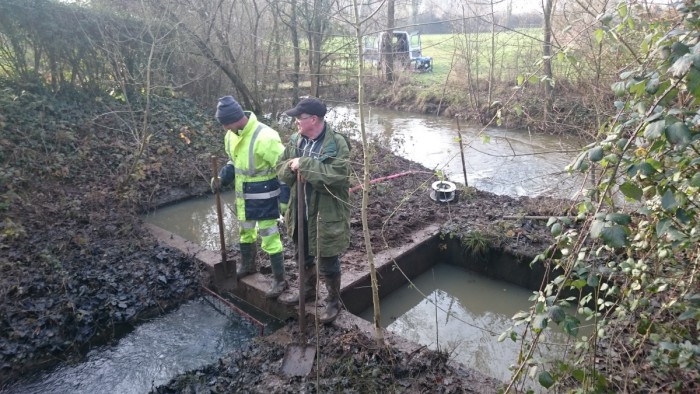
[496,264]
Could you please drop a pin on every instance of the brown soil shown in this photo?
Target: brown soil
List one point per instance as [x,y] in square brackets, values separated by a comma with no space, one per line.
[349,361]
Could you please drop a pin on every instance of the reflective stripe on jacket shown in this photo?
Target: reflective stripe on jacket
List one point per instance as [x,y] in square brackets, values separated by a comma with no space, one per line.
[254,152]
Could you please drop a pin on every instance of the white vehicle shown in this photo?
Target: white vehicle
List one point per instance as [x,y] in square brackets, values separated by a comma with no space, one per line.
[405,46]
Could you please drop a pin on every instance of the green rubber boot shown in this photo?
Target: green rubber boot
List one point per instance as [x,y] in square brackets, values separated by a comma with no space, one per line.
[333,301]
[309,288]
[280,284]
[247,266]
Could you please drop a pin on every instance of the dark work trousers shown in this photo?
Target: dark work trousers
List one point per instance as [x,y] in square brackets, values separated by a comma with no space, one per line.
[328,266]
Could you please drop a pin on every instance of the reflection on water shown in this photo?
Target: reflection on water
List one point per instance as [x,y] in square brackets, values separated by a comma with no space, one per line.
[196,220]
[188,338]
[510,162]
[462,313]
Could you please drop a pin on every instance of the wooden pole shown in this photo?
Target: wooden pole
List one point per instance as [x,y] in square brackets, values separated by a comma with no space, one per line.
[228,270]
[301,213]
[461,151]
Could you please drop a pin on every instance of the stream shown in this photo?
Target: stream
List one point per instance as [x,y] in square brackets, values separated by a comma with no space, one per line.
[501,161]
[194,335]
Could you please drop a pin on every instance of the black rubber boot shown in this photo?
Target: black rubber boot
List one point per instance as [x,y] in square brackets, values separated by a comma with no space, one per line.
[247,265]
[280,284]
[333,301]
[309,288]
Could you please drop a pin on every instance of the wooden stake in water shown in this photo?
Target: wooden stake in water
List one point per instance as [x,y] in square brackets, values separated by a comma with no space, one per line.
[461,151]
[228,270]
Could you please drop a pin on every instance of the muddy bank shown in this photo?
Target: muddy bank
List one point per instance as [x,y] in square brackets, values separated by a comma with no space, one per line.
[349,361]
[77,266]
[571,113]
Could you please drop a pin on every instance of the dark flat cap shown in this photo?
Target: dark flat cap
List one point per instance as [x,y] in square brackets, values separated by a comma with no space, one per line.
[311,106]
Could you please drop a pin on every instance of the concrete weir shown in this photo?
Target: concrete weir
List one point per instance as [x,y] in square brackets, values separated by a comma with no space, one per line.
[420,252]
[412,259]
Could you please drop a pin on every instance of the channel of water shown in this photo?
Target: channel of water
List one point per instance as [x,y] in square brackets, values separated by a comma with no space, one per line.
[194,335]
[501,161]
[463,313]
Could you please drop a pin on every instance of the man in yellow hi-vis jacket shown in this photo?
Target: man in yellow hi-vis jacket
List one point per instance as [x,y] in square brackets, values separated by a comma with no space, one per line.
[253,149]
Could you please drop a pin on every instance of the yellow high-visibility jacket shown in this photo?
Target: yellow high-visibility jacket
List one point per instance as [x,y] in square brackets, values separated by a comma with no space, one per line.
[254,152]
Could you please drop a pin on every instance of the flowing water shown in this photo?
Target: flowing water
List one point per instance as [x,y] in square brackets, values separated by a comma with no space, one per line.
[462,313]
[502,161]
[194,335]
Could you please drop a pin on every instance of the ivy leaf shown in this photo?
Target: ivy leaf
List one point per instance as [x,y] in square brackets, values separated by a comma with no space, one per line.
[694,299]
[695,182]
[619,89]
[557,314]
[518,109]
[668,201]
[597,228]
[645,169]
[652,85]
[693,79]
[631,191]
[556,229]
[619,218]
[545,379]
[571,325]
[689,314]
[678,134]
[683,216]
[595,154]
[614,236]
[681,66]
[662,227]
[593,281]
[653,130]
[578,283]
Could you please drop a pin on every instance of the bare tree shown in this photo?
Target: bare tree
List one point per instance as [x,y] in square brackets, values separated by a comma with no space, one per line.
[387,53]
[357,25]
[547,8]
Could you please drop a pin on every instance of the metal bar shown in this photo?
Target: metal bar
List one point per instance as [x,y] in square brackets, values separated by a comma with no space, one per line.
[236,309]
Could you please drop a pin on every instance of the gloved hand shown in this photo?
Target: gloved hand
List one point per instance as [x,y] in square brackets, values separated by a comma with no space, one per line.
[285,193]
[215,184]
[227,174]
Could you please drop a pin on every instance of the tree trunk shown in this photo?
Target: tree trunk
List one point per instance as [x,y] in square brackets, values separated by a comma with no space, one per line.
[492,64]
[547,56]
[387,47]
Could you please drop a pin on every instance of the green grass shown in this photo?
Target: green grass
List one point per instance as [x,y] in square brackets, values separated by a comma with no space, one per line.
[516,52]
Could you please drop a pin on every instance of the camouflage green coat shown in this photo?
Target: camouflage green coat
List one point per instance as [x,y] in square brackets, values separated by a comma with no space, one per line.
[329,206]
